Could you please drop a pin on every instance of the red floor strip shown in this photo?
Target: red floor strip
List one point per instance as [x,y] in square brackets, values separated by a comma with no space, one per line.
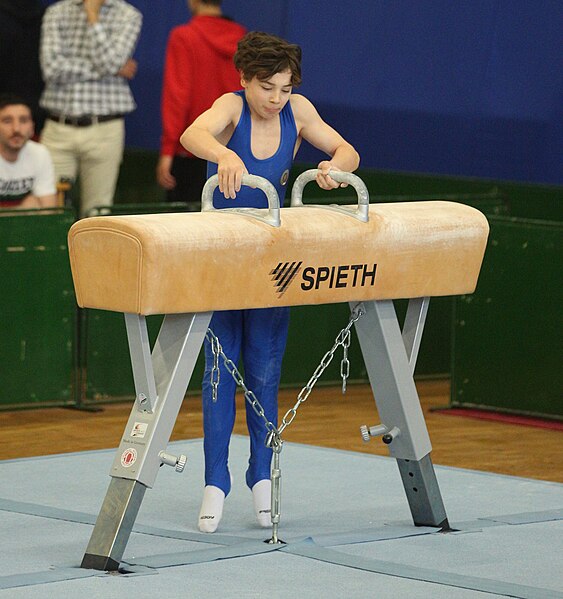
[507,418]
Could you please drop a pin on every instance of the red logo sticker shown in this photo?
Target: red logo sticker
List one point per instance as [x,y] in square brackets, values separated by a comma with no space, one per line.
[128,457]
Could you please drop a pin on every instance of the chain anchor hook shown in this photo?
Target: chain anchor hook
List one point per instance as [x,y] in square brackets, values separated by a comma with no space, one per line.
[275,442]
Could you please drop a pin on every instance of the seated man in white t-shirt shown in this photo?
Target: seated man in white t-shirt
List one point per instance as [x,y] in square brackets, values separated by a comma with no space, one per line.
[27,177]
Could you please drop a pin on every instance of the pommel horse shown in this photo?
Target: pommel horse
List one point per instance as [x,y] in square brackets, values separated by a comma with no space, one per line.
[185,266]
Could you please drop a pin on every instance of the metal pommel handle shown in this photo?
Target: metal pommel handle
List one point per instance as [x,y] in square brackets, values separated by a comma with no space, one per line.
[273,213]
[362,210]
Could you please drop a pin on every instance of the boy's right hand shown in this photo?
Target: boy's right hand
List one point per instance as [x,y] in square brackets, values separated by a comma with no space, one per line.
[324,180]
[230,169]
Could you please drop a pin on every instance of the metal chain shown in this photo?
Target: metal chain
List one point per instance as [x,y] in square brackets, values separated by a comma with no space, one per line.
[217,350]
[343,338]
[345,364]
[273,438]
[215,372]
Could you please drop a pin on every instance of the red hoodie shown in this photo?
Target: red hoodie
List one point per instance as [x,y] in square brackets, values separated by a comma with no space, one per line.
[199,68]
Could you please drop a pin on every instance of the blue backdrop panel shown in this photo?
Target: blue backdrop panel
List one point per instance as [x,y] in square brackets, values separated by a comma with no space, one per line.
[448,87]
[462,88]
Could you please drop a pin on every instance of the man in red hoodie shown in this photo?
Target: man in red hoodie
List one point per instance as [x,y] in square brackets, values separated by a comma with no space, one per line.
[199,68]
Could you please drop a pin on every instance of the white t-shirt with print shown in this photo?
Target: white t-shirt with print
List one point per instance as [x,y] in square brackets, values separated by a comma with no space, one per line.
[32,173]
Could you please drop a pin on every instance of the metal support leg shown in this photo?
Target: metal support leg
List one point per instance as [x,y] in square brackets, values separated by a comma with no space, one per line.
[161,380]
[390,356]
[423,492]
[413,327]
[114,524]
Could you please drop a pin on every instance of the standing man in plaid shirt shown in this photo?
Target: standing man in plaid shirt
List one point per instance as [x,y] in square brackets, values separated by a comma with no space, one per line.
[86,59]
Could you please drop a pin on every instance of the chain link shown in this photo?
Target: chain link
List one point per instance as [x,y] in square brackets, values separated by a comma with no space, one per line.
[342,339]
[345,364]
[215,372]
[217,350]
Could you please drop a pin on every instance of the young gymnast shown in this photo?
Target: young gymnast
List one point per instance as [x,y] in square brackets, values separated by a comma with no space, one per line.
[257,131]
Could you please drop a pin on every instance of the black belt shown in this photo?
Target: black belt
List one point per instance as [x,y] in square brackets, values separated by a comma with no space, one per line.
[83,121]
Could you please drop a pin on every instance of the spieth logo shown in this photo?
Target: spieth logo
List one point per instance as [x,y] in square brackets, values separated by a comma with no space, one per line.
[283,275]
[328,277]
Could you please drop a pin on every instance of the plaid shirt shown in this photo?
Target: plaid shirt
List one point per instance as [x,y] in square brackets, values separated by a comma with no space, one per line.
[80,61]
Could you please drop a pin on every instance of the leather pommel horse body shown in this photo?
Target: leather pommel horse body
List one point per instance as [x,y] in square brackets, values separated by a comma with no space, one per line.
[188,265]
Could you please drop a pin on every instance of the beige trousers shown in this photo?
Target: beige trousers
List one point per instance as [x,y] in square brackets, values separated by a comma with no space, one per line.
[93,154]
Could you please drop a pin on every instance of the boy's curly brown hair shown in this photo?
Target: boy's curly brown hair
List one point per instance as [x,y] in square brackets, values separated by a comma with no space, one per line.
[262,55]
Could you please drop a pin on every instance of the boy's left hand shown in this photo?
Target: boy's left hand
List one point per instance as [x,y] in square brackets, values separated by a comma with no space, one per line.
[324,180]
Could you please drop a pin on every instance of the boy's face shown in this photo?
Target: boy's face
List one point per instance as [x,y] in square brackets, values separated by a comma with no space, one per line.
[16,127]
[267,98]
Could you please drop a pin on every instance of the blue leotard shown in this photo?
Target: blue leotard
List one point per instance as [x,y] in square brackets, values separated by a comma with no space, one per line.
[275,169]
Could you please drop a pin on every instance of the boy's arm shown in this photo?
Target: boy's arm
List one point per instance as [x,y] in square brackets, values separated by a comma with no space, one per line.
[202,138]
[312,128]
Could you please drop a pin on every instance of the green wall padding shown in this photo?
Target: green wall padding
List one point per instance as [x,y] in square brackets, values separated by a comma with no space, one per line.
[38,309]
[508,343]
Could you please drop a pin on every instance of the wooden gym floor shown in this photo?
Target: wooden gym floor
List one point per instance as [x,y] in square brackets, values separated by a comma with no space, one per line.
[326,419]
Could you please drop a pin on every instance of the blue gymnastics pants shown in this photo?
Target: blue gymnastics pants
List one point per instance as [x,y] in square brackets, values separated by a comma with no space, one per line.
[258,337]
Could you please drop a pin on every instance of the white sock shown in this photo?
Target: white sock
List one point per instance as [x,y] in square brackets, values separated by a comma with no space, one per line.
[211,509]
[262,499]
